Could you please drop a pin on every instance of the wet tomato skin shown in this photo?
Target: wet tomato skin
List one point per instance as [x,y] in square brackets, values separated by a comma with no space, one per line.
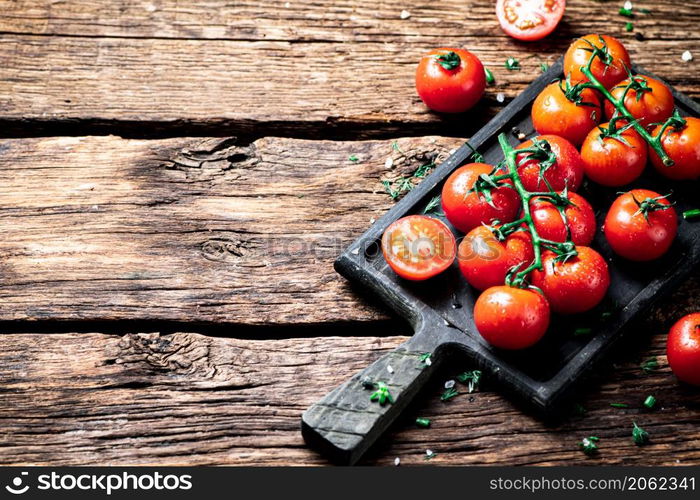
[450,90]
[485,261]
[577,56]
[611,162]
[466,210]
[683,349]
[652,106]
[511,318]
[550,224]
[574,286]
[683,146]
[418,247]
[634,237]
[529,20]
[567,171]
[554,114]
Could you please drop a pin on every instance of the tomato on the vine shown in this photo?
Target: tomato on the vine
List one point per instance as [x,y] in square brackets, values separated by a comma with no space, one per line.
[614,160]
[641,225]
[485,261]
[466,209]
[511,318]
[418,247]
[648,100]
[682,145]
[529,19]
[609,72]
[450,80]
[683,349]
[553,112]
[550,225]
[575,285]
[565,173]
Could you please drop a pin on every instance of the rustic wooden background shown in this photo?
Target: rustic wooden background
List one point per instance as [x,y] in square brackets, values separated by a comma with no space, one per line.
[175,184]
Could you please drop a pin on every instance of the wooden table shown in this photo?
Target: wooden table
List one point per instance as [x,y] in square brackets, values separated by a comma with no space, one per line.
[175,185]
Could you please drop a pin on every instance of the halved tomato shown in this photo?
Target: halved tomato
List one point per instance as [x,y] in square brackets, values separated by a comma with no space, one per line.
[529,19]
[418,247]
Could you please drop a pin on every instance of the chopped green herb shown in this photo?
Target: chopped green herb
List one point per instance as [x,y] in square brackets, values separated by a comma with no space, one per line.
[471,378]
[544,67]
[619,405]
[425,359]
[691,214]
[489,76]
[382,394]
[650,402]
[423,170]
[588,445]
[403,185]
[644,11]
[423,422]
[639,435]
[626,12]
[353,158]
[395,147]
[583,331]
[605,315]
[449,394]
[650,365]
[432,205]
[512,64]
[579,409]
[629,27]
[430,454]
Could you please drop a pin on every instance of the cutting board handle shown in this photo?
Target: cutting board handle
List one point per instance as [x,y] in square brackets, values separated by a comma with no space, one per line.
[346,422]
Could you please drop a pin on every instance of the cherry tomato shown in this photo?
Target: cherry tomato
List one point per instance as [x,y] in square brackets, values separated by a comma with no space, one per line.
[614,162]
[683,146]
[484,260]
[466,210]
[550,224]
[634,236]
[418,247]
[654,105]
[450,80]
[529,19]
[578,54]
[566,172]
[574,286]
[511,318]
[553,113]
[683,349]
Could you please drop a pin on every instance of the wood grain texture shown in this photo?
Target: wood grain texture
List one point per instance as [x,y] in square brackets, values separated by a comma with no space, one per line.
[81,399]
[102,228]
[316,67]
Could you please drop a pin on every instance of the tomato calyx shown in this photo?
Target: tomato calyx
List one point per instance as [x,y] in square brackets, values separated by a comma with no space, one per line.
[613,132]
[449,60]
[574,93]
[541,152]
[650,205]
[602,52]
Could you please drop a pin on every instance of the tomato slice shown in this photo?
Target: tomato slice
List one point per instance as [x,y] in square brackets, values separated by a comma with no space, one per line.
[418,247]
[529,19]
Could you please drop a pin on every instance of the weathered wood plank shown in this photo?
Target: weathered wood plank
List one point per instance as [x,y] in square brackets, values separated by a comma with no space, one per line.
[190,399]
[252,68]
[102,228]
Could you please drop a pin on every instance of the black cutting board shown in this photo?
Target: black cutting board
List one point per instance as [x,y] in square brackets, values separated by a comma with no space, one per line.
[345,423]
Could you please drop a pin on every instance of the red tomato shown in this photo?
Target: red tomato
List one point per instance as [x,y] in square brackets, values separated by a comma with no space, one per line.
[418,247]
[550,224]
[450,80]
[529,19]
[683,349]
[683,146]
[484,261]
[566,172]
[466,210]
[634,236]
[574,286]
[578,54]
[511,318]
[612,162]
[654,105]
[553,113]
